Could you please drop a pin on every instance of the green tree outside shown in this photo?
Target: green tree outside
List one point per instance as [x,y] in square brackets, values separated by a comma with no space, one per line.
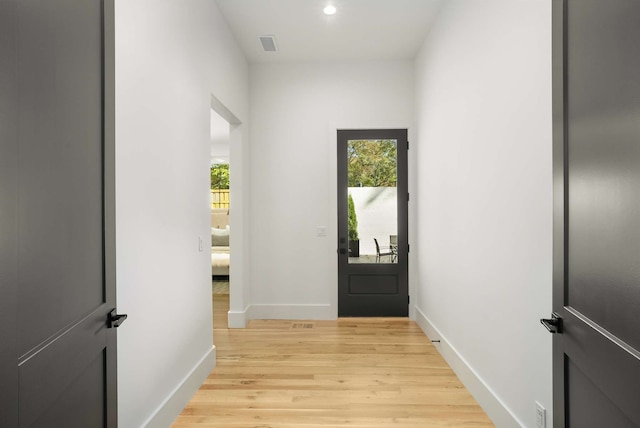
[220,176]
[372,163]
[353,221]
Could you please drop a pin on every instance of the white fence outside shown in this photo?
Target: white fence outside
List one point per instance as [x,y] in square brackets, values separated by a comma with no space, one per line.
[377,214]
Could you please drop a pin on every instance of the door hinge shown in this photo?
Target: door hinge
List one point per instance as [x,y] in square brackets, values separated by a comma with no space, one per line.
[408,197]
[408,299]
[407,145]
[408,248]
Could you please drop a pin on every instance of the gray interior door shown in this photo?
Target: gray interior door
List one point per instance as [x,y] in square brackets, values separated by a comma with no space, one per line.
[57,285]
[372,223]
[597,213]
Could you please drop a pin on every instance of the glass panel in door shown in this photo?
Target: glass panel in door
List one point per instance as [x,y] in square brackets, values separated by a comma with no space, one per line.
[372,201]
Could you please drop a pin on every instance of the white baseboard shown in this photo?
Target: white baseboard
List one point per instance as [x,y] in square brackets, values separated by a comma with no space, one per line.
[291,312]
[490,403]
[171,407]
[237,319]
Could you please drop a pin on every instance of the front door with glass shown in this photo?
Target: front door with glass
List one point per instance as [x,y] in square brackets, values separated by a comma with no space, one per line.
[372,222]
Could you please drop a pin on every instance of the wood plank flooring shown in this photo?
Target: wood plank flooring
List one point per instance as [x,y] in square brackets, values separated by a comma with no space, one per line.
[353,372]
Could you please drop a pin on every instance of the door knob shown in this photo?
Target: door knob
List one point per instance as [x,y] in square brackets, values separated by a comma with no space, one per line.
[115,320]
[553,324]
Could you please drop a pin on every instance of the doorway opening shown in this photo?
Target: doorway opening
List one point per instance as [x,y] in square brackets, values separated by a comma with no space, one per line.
[220,204]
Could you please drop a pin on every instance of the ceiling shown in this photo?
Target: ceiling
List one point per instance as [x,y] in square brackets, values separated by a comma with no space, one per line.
[360,30]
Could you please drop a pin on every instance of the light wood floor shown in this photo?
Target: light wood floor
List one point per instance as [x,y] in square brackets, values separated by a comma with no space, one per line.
[360,373]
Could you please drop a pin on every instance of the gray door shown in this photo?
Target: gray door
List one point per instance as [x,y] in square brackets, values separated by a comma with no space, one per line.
[372,223]
[57,285]
[596,213]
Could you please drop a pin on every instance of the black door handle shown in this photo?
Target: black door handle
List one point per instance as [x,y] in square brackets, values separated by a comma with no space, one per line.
[115,320]
[553,324]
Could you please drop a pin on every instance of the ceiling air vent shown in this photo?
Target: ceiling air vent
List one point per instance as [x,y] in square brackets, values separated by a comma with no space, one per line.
[268,43]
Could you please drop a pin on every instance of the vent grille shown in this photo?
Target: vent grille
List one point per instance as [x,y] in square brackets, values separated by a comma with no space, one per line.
[268,43]
[302,325]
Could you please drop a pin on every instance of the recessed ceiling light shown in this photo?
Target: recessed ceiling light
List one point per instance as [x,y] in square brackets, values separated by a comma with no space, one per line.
[329,10]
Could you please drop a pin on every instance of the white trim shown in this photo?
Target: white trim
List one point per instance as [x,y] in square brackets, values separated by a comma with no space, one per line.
[239,214]
[332,202]
[237,319]
[182,394]
[291,312]
[484,395]
[223,111]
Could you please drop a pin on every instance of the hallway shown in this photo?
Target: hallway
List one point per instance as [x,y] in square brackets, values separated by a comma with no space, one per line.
[473,89]
[359,372]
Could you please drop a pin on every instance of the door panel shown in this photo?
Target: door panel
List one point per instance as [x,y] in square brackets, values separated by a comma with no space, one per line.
[603,117]
[611,365]
[56,214]
[596,212]
[373,284]
[45,376]
[60,179]
[372,210]
[8,216]
[80,398]
[588,406]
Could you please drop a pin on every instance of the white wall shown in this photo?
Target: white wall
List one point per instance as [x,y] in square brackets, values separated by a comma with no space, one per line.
[295,111]
[484,202]
[220,139]
[171,57]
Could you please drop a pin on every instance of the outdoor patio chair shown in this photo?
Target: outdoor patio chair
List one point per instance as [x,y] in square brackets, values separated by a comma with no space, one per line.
[379,255]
